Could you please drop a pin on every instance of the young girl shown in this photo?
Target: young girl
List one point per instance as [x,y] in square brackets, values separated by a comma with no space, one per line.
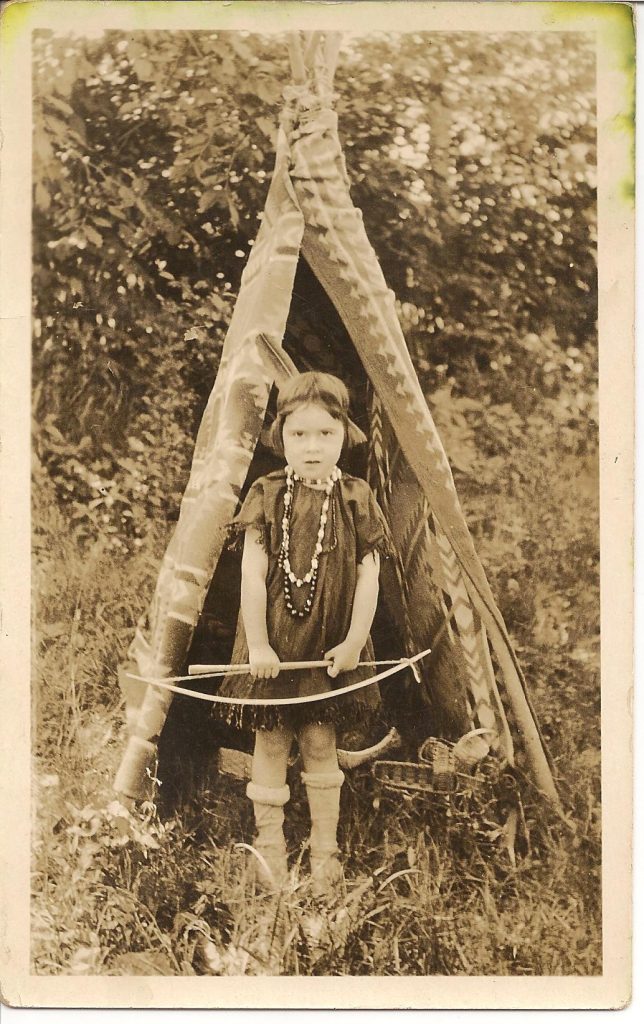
[310,571]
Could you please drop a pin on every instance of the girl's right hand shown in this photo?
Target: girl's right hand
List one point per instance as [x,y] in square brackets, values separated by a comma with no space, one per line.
[264,663]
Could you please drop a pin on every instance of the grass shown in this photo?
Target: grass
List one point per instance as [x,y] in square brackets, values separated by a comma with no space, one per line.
[433,888]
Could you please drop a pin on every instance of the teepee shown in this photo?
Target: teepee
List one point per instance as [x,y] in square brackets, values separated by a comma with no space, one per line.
[436,589]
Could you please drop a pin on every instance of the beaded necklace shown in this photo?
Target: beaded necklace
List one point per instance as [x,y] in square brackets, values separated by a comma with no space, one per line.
[310,578]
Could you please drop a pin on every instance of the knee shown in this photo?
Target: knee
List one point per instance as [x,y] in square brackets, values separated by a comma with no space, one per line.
[273,744]
[317,745]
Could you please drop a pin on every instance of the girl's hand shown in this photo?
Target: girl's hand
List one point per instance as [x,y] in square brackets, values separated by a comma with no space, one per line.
[264,663]
[344,657]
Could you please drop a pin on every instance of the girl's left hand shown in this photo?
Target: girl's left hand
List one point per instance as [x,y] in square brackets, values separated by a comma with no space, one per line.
[344,657]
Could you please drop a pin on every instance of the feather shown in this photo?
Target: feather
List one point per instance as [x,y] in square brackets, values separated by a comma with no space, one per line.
[278,363]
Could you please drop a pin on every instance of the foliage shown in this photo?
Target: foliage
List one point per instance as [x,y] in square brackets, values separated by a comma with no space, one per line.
[487,143]
[471,157]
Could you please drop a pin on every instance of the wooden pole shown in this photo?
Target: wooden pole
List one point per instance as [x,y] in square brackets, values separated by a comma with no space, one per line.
[332,43]
[312,40]
[298,68]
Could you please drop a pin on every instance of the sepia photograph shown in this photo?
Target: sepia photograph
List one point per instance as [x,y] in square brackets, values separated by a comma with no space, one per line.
[315,663]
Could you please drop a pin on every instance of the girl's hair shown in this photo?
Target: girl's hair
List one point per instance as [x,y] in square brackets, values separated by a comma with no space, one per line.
[317,389]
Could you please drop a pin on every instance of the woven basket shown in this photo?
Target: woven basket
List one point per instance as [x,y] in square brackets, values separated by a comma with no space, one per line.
[410,775]
[437,771]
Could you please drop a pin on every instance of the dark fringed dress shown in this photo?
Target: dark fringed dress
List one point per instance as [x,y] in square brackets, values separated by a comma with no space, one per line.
[355,527]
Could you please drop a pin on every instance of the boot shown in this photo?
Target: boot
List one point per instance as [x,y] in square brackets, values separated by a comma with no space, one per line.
[323,791]
[268,802]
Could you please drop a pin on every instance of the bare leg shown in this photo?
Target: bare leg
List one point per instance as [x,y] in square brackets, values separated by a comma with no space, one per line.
[317,746]
[270,759]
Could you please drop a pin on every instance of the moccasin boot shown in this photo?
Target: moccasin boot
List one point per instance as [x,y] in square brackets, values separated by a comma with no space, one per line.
[268,804]
[323,791]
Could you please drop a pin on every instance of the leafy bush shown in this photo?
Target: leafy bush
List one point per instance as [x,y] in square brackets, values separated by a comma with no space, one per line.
[471,156]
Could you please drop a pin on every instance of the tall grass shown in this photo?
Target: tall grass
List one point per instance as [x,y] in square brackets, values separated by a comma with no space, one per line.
[432,887]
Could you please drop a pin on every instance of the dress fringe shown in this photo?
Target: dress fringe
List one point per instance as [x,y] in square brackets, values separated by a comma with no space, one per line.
[341,711]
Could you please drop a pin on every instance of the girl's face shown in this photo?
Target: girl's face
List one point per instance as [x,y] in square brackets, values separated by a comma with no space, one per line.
[312,440]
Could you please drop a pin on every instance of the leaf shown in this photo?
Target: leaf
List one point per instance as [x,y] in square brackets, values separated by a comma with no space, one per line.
[510,835]
[93,236]
[173,233]
[268,90]
[241,48]
[213,959]
[234,213]
[144,69]
[267,126]
[130,465]
[43,148]
[52,630]
[589,759]
[41,197]
[208,198]
[84,960]
[65,82]
[77,125]
[61,105]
